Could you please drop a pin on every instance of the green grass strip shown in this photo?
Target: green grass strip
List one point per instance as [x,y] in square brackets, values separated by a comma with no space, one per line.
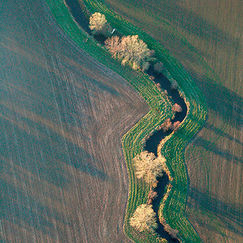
[160,109]
[173,150]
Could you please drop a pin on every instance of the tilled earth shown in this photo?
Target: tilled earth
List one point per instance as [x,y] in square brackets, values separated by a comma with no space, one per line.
[63,177]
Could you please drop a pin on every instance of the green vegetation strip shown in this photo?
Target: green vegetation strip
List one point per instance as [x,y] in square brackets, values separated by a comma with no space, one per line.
[160,109]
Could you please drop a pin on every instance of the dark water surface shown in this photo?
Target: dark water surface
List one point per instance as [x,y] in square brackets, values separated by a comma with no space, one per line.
[160,189]
[78,14]
[153,141]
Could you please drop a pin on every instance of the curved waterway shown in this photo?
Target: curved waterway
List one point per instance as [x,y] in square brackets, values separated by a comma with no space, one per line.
[154,140]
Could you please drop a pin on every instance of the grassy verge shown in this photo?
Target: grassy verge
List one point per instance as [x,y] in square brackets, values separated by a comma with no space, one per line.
[160,109]
[173,149]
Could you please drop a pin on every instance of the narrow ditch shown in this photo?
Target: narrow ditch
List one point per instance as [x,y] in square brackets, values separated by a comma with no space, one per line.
[152,143]
[160,190]
[154,140]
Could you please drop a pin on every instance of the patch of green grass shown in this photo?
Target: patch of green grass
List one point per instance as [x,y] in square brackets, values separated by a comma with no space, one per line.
[208,44]
[173,150]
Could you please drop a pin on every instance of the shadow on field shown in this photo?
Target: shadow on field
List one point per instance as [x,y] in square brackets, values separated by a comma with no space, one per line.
[19,208]
[229,214]
[45,152]
[224,102]
[199,141]
[191,22]
[222,133]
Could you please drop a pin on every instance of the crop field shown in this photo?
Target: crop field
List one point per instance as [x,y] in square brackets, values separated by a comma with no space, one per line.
[62,115]
[206,37]
[66,105]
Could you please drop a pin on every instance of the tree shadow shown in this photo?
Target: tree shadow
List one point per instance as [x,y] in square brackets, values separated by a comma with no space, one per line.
[224,102]
[209,146]
[222,133]
[229,214]
[45,154]
[18,207]
[192,22]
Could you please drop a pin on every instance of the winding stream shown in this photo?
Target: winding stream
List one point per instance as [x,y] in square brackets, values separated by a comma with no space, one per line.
[154,140]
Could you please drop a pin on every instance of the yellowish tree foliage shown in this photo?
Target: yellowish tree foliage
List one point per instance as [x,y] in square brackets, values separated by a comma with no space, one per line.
[113,45]
[148,167]
[130,50]
[163,241]
[98,24]
[144,218]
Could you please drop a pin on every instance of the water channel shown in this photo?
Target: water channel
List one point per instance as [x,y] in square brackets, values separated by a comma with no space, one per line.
[153,141]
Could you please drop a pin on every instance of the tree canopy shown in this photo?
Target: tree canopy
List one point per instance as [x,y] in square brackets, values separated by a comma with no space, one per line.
[130,50]
[148,167]
[98,24]
[144,218]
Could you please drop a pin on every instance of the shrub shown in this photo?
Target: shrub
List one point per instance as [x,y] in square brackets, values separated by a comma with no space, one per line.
[130,50]
[148,167]
[144,218]
[163,241]
[174,84]
[151,196]
[172,232]
[145,66]
[176,125]
[176,108]
[166,125]
[98,24]
[159,67]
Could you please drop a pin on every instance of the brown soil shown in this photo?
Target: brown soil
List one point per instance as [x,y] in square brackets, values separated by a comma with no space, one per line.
[63,176]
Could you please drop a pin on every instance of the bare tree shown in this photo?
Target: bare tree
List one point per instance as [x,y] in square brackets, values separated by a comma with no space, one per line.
[144,218]
[148,167]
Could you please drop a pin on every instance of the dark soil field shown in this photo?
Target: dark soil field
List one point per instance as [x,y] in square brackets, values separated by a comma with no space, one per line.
[206,37]
[62,115]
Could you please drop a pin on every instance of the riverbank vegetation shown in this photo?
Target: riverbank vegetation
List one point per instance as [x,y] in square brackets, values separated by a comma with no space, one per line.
[99,25]
[161,110]
[148,167]
[134,52]
[173,149]
[130,50]
[144,218]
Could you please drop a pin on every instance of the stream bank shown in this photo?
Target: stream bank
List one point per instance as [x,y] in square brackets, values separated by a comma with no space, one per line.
[154,140]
